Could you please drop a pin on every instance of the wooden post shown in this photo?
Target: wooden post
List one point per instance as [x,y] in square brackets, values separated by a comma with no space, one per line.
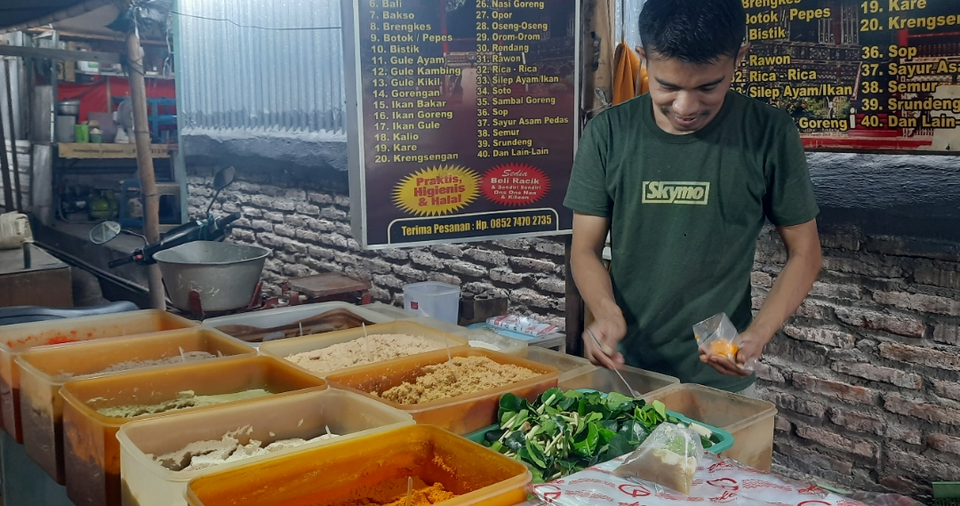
[8,203]
[13,138]
[148,181]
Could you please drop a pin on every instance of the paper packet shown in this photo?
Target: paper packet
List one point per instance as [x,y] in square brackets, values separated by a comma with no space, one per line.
[668,457]
[522,324]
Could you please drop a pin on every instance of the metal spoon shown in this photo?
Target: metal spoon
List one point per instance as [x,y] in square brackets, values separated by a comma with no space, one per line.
[633,392]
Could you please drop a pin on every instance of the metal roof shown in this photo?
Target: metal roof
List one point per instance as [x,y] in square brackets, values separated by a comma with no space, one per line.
[18,15]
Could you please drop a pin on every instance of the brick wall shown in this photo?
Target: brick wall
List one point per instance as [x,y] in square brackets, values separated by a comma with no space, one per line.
[307,225]
[866,374]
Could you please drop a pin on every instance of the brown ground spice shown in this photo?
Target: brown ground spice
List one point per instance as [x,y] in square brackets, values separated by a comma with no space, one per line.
[459,376]
[364,350]
[394,493]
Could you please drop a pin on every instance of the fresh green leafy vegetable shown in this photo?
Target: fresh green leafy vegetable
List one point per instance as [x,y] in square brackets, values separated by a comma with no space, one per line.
[563,432]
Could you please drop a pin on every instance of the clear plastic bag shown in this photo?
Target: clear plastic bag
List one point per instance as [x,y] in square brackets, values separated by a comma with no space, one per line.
[669,457]
[717,336]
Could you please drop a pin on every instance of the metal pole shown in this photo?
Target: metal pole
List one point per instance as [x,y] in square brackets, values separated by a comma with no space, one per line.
[5,173]
[148,181]
[13,137]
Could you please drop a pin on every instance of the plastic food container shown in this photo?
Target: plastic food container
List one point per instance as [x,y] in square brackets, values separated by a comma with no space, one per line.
[288,321]
[493,341]
[43,370]
[605,380]
[433,299]
[570,366]
[333,472]
[462,414]
[302,415]
[91,450]
[20,337]
[287,347]
[750,421]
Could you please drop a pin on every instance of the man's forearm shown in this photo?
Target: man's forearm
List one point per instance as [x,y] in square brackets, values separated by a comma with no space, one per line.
[788,291]
[593,282]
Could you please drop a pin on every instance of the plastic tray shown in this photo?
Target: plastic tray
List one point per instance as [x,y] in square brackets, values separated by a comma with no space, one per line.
[750,421]
[287,347]
[41,371]
[91,449]
[283,323]
[462,414]
[324,475]
[570,366]
[303,415]
[23,336]
[605,380]
[725,442]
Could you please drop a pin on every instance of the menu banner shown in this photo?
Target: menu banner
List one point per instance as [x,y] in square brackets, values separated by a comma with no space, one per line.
[462,117]
[859,75]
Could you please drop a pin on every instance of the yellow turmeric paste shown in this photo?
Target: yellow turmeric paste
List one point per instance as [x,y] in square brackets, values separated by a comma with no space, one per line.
[394,493]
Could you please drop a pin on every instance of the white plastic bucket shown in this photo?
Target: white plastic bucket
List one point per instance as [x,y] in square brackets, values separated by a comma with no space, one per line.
[433,299]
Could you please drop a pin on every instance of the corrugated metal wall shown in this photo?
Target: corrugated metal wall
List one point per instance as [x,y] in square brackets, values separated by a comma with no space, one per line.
[280,73]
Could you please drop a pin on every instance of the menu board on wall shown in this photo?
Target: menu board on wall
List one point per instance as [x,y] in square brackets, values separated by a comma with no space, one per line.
[859,75]
[462,118]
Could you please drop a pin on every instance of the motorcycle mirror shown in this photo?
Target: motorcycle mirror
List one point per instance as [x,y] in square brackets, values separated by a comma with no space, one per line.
[104,232]
[223,178]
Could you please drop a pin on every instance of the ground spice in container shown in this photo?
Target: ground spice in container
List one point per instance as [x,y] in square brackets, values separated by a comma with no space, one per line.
[364,350]
[188,356]
[394,493]
[458,376]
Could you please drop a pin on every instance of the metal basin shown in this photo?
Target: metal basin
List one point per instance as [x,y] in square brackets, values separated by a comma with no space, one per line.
[225,275]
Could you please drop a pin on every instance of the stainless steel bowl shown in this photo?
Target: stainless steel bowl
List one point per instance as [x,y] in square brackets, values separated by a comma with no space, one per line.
[225,275]
[69,107]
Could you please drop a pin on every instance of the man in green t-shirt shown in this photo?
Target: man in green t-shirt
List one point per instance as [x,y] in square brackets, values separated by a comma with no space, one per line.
[684,178]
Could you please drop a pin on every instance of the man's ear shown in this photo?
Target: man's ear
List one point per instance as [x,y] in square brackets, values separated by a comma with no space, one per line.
[643,55]
[742,55]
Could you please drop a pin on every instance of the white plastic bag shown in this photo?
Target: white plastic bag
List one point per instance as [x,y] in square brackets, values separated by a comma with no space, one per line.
[669,457]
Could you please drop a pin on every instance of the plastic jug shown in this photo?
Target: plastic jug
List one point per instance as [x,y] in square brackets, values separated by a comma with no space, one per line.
[433,299]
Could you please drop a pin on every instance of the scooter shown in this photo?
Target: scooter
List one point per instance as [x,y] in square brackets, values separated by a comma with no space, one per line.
[210,229]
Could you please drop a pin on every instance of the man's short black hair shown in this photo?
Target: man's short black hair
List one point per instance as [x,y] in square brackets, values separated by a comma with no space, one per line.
[693,31]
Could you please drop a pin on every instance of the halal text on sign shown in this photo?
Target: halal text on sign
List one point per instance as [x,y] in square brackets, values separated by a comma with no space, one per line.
[871,75]
[465,117]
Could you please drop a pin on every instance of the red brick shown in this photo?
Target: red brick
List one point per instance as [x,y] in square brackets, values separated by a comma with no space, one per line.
[848,239]
[762,279]
[944,443]
[948,389]
[919,302]
[769,373]
[929,275]
[859,266]
[930,470]
[839,442]
[904,485]
[814,458]
[857,421]
[923,356]
[909,435]
[798,405]
[829,337]
[835,389]
[782,424]
[946,333]
[810,309]
[923,411]
[835,291]
[900,325]
[876,373]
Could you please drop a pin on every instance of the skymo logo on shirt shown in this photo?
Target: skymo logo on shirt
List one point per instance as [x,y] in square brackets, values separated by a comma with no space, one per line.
[676,192]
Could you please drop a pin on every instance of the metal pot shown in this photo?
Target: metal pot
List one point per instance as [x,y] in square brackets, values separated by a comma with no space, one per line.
[69,107]
[225,275]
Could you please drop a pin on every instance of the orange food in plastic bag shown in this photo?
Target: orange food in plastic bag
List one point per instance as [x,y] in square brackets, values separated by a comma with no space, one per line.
[724,349]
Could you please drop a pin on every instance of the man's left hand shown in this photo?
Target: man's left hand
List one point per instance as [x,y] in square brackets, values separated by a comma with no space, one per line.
[750,344]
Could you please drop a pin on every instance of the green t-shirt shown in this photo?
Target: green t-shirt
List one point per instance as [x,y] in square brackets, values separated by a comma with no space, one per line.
[685,213]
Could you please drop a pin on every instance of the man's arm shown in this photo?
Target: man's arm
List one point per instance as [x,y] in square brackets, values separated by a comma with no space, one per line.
[593,281]
[804,260]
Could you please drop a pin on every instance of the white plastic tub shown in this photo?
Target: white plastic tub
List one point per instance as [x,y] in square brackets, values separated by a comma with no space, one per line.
[433,299]
[267,325]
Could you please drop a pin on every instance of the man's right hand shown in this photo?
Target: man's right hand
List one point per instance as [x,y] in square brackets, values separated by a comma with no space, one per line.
[609,331]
